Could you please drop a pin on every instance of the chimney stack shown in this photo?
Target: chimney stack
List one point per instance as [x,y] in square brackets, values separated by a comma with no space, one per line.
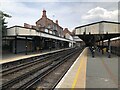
[66,29]
[44,13]
[56,21]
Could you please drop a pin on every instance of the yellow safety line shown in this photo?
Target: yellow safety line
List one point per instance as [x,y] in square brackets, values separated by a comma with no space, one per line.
[77,74]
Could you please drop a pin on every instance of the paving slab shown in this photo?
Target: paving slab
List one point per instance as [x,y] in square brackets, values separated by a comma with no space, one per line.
[87,72]
[76,75]
[102,72]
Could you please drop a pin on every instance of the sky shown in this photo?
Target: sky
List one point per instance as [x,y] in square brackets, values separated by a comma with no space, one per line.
[69,14]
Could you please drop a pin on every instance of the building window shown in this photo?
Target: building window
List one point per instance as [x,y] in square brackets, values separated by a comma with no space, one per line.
[50,32]
[39,25]
[46,30]
[49,26]
[53,32]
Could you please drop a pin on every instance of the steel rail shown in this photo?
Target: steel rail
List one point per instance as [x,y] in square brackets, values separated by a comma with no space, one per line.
[10,83]
[29,84]
[24,65]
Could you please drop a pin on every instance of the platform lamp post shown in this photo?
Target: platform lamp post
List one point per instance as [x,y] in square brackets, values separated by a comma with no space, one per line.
[109,55]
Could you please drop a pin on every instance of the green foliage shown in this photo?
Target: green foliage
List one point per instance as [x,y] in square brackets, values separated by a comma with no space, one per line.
[3,25]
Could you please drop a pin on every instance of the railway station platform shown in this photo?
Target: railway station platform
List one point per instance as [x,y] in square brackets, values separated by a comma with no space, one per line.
[89,72]
[14,57]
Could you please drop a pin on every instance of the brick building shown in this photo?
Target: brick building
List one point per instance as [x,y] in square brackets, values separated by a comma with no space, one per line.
[44,35]
[47,25]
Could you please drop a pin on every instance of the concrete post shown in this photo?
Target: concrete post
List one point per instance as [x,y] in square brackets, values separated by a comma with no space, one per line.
[15,44]
[99,46]
[26,46]
[33,45]
[102,47]
[40,44]
[56,44]
[50,44]
[109,51]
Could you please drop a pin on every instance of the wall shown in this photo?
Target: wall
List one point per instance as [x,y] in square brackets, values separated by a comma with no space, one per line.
[102,28]
[68,36]
[21,46]
[93,29]
[110,28]
[77,31]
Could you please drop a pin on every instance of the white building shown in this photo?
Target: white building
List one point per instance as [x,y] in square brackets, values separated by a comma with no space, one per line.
[101,27]
[68,35]
[79,42]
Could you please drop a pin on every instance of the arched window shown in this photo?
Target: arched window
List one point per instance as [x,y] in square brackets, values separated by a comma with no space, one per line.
[46,30]
[56,33]
[50,31]
[49,26]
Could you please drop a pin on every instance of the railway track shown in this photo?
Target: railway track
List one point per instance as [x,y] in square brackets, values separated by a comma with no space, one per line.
[9,72]
[29,78]
[32,62]
[20,62]
[20,70]
[49,84]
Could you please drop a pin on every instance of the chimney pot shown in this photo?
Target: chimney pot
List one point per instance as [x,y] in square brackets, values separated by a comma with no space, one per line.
[44,13]
[56,21]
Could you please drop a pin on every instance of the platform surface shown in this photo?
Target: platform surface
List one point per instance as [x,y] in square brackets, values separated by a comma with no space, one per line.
[102,72]
[13,57]
[89,72]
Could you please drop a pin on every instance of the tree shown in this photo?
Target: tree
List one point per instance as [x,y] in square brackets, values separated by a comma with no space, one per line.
[3,25]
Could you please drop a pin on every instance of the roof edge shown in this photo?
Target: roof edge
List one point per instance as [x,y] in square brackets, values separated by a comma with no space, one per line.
[96,23]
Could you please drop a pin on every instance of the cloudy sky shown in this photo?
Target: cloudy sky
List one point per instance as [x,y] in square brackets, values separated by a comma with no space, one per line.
[70,14]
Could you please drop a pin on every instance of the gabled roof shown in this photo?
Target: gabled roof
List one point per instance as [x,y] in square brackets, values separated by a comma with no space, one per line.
[67,31]
[38,20]
[51,21]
